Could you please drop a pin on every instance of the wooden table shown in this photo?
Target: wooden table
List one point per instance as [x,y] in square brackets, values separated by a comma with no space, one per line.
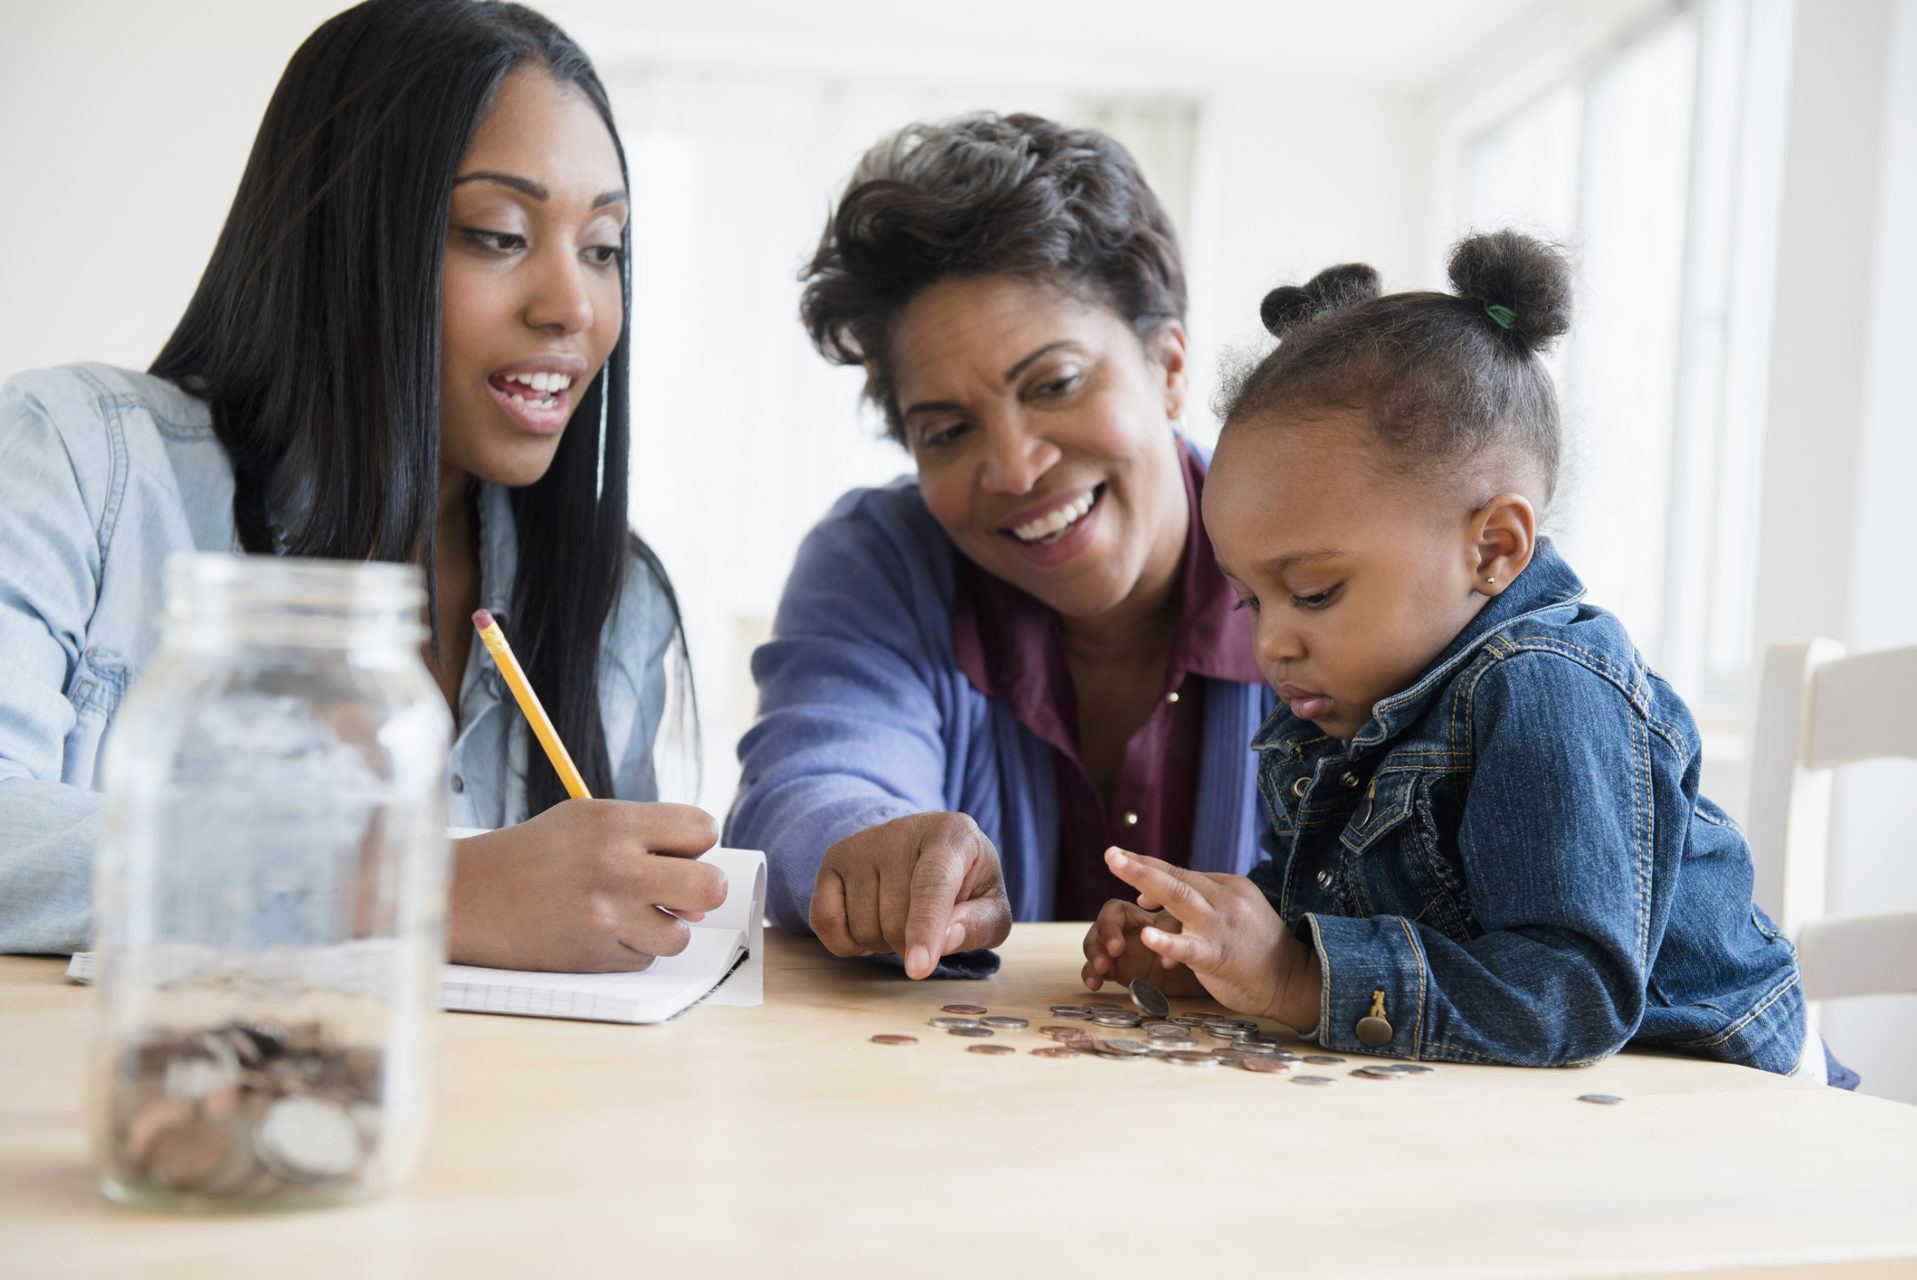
[780,1140]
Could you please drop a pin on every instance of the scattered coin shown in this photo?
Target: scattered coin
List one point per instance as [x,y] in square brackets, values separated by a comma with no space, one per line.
[1060,1032]
[962,1008]
[1115,1019]
[992,1049]
[974,1031]
[1324,1059]
[1150,999]
[1602,1099]
[1316,1081]
[1191,1058]
[1048,1051]
[1129,1048]
[1005,1022]
[1268,1066]
[1378,1073]
[946,1024]
[1409,1069]
[888,1039]
[1075,1011]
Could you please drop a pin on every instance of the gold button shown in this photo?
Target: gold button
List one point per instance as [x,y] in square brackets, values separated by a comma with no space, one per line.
[1349,779]
[1298,787]
[1372,1032]
[1131,817]
[1172,696]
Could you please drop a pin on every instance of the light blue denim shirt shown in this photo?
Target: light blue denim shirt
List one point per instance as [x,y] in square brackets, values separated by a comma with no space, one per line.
[104,473]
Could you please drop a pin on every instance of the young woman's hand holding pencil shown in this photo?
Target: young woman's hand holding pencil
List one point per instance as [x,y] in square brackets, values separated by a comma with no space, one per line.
[587,885]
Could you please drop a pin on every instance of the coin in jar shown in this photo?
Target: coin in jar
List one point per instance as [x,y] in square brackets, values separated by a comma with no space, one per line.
[1149,999]
[895,1039]
[185,1156]
[973,1009]
[308,1139]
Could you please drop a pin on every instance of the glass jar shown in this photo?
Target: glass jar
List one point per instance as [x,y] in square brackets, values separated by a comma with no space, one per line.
[270,891]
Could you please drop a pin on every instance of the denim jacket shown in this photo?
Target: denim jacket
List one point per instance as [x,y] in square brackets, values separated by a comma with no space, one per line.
[1511,862]
[104,473]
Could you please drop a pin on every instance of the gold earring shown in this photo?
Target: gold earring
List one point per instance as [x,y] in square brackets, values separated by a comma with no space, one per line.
[1491,582]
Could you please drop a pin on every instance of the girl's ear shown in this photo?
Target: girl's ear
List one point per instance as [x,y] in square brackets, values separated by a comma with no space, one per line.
[1504,537]
[1167,347]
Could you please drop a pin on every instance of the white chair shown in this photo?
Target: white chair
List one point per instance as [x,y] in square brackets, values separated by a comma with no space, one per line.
[1816,709]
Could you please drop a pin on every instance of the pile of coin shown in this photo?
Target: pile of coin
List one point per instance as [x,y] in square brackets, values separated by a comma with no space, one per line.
[1174,1039]
[246,1112]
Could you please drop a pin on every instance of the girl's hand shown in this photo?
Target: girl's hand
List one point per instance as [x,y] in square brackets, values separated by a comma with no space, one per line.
[585,887]
[1228,936]
[1113,951]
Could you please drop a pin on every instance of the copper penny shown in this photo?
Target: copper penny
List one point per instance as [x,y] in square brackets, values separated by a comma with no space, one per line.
[1266,1066]
[973,1009]
[183,1157]
[895,1039]
[993,1049]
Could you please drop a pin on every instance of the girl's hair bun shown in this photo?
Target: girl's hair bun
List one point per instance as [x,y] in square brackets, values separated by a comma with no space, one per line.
[1332,289]
[1522,286]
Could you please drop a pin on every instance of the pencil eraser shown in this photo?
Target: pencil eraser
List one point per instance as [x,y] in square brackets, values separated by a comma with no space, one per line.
[482,619]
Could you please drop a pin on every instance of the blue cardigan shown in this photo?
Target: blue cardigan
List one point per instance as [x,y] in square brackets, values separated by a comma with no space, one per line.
[865,716]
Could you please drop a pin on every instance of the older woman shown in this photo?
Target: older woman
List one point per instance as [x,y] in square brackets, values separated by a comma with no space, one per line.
[982,676]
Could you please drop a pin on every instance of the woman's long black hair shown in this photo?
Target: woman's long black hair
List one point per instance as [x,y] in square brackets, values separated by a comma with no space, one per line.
[315,337]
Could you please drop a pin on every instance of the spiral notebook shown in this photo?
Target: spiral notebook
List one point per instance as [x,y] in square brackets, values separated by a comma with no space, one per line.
[724,964]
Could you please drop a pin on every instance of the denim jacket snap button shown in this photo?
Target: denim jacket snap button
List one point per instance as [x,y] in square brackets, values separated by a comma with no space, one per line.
[1324,879]
[1349,779]
[1298,788]
[1372,1030]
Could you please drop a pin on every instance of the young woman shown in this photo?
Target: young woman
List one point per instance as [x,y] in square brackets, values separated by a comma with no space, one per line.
[409,345]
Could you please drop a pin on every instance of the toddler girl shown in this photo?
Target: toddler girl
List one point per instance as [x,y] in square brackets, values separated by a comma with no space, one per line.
[1487,842]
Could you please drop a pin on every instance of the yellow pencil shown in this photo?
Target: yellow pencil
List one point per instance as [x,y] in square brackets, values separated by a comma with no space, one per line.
[529,704]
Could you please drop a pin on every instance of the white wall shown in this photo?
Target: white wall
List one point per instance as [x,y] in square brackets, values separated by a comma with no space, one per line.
[123,131]
[1841,549]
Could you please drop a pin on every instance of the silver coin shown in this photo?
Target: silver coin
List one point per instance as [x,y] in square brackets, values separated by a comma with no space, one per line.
[947,1023]
[1378,1073]
[1150,999]
[308,1140]
[1187,1019]
[1115,1019]
[1004,1021]
[1259,1040]
[1180,1045]
[1602,1099]
[973,1032]
[1129,1048]
[1409,1069]
[1263,1048]
[1320,1082]
[1106,1006]
[1070,1011]
[1324,1059]
[1191,1058]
